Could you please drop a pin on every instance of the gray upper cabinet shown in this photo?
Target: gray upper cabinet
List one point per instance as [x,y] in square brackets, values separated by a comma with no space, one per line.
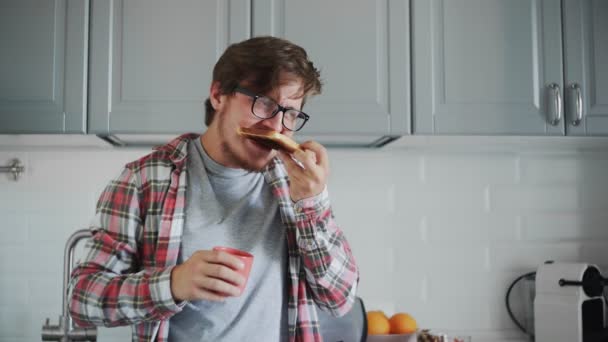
[362,50]
[43,66]
[152,60]
[586,71]
[486,66]
[526,67]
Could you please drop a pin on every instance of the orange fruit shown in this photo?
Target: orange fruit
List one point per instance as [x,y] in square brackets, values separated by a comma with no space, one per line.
[377,323]
[402,323]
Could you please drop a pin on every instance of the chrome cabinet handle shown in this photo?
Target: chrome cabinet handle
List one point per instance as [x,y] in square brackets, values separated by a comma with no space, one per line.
[575,87]
[15,168]
[557,101]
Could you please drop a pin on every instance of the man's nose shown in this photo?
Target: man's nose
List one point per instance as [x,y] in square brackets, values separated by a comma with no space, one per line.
[275,123]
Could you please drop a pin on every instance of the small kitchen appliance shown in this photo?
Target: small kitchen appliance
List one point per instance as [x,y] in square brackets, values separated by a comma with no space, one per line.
[569,305]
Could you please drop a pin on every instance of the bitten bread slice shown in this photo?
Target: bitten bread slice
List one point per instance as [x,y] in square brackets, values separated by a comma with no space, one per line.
[272,139]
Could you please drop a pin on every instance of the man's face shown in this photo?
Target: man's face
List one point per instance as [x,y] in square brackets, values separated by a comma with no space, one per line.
[239,152]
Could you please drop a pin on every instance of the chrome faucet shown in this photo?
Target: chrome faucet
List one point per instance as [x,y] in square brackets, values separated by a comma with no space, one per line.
[65,331]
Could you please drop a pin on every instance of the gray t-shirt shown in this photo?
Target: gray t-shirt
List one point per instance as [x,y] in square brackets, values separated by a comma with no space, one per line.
[234,208]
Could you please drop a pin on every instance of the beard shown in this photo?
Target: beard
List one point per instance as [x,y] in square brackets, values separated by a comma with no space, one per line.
[241,162]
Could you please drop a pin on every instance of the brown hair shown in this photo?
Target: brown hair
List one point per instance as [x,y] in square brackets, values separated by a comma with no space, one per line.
[260,62]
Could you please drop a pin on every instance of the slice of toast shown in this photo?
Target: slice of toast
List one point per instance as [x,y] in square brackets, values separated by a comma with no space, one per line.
[272,139]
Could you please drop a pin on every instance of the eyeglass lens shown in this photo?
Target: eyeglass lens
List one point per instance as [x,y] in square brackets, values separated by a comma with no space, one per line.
[265,108]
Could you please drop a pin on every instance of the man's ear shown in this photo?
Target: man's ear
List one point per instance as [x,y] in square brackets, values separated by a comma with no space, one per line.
[216,97]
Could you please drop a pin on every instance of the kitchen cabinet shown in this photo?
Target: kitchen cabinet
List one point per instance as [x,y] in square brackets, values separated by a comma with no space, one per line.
[478,67]
[362,50]
[586,61]
[151,61]
[43,66]
[508,67]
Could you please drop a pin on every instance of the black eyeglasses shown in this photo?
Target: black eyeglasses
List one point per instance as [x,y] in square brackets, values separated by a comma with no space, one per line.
[265,108]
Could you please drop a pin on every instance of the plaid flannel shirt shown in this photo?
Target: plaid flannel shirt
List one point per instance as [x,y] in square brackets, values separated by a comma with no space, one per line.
[124,279]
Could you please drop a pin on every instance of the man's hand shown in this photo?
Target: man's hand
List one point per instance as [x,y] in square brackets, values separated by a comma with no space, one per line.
[208,275]
[310,180]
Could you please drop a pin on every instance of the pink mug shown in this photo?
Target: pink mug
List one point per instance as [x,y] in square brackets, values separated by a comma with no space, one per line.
[245,257]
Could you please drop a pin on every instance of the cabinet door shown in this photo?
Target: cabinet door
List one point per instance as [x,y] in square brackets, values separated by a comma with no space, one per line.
[362,50]
[152,61]
[484,66]
[43,66]
[586,66]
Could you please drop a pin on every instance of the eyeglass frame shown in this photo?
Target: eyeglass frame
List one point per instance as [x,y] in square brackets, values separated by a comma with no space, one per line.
[280,108]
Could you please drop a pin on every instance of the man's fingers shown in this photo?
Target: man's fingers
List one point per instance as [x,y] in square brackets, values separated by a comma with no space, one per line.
[223,258]
[209,295]
[290,163]
[307,158]
[219,286]
[319,153]
[224,273]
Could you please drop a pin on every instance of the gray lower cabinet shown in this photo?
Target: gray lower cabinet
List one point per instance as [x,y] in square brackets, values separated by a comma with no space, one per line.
[362,50]
[152,60]
[509,67]
[43,78]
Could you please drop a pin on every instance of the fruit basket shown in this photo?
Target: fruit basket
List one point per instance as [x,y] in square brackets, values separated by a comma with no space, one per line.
[392,338]
[428,336]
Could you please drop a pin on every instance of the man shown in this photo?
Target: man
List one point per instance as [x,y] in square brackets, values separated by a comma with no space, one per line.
[150,263]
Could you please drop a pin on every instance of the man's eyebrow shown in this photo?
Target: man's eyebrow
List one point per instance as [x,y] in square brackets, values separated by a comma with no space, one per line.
[289,98]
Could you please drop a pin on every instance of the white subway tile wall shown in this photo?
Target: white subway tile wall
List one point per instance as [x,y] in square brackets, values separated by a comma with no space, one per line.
[439,234]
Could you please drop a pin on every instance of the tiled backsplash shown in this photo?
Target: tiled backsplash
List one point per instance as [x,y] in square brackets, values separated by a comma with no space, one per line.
[439,233]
